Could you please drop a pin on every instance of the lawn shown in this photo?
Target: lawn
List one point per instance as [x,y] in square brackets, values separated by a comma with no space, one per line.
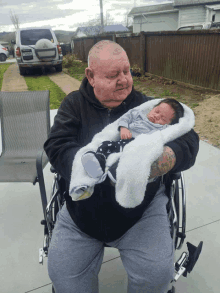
[42,83]
[3,68]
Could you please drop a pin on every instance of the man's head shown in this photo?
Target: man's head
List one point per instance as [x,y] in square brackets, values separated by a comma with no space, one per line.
[108,72]
[167,111]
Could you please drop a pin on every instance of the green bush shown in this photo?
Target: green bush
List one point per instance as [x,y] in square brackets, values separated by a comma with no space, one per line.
[69,60]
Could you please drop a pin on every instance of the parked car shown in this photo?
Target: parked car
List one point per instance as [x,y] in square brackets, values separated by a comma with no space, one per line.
[37,48]
[4,54]
[215,25]
[200,26]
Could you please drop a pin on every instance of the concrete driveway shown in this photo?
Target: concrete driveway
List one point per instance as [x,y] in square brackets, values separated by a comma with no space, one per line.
[22,235]
[9,60]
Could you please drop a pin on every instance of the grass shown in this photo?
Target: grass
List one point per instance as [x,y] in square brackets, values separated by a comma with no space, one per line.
[74,67]
[3,68]
[42,83]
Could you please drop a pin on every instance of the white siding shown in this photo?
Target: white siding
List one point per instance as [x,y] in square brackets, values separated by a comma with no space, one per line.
[217,16]
[192,14]
[80,34]
[156,22]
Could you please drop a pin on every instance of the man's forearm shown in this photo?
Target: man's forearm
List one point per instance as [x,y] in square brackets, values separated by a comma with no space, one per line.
[164,163]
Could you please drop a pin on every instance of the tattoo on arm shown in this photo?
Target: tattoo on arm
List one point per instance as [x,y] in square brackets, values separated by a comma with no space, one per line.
[164,163]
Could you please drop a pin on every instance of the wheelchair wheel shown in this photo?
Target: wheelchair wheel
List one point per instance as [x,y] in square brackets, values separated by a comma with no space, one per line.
[54,205]
[177,205]
[53,290]
[57,197]
[174,229]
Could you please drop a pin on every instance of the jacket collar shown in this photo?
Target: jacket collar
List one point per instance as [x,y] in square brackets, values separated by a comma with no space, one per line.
[87,91]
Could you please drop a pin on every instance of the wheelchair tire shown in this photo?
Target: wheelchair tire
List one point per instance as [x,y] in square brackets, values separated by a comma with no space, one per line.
[177,205]
[54,208]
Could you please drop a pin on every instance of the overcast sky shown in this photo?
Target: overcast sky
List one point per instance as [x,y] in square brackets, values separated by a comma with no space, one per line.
[64,14]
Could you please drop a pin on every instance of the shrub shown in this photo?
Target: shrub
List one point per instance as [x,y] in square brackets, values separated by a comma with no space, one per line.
[68,60]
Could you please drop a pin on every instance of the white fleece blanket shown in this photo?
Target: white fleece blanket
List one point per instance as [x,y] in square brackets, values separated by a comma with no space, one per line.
[135,161]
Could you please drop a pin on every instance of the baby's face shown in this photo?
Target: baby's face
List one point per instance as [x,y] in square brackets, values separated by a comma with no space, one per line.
[161,114]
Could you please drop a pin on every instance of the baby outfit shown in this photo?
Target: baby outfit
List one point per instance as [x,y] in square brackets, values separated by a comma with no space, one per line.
[137,123]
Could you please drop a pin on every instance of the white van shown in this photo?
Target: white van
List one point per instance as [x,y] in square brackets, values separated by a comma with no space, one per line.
[195,26]
[199,26]
[37,48]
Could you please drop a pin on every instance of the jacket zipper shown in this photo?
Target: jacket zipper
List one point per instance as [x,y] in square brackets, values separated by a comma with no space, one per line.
[109,114]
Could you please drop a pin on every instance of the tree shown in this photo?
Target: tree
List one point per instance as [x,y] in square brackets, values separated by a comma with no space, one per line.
[108,19]
[15,20]
[128,21]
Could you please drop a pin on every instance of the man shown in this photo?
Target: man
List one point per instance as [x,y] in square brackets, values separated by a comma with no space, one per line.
[141,234]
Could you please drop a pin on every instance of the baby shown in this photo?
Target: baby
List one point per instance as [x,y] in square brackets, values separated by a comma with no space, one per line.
[133,123]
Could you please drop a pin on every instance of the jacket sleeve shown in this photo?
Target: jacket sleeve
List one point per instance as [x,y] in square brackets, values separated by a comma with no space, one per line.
[186,149]
[127,118]
[62,144]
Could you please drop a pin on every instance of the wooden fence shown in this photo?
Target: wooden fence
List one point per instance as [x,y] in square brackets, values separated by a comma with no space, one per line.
[187,56]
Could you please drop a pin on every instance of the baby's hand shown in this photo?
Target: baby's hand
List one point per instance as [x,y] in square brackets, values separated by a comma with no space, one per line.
[125,133]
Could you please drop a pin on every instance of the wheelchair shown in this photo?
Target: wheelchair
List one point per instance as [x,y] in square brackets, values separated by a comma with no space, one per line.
[176,207]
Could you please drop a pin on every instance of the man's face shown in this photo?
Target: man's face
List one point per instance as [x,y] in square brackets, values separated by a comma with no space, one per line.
[112,81]
[161,114]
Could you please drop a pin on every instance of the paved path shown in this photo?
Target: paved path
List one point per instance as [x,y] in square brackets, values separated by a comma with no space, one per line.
[13,81]
[65,82]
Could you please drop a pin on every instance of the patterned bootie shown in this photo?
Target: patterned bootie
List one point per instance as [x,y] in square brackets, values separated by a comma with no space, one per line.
[94,164]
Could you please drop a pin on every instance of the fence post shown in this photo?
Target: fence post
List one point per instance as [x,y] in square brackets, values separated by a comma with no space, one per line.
[142,52]
[114,38]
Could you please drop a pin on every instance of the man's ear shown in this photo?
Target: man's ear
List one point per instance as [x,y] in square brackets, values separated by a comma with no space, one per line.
[90,75]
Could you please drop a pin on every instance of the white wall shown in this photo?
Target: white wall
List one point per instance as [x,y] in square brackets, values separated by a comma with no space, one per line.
[217,16]
[156,22]
[80,34]
[192,14]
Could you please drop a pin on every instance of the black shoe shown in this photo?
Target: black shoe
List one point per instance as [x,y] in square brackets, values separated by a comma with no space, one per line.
[112,172]
[94,164]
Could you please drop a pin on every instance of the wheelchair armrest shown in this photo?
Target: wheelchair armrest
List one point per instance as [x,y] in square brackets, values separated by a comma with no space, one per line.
[175,176]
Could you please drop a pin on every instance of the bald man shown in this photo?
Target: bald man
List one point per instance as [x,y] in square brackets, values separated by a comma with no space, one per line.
[141,234]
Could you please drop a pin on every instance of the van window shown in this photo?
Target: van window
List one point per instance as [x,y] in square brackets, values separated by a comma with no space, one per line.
[197,27]
[185,28]
[30,37]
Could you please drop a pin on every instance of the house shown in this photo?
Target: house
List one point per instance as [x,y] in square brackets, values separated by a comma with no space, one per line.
[171,16]
[95,30]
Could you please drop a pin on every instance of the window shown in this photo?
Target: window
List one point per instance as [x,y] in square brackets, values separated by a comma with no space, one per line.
[30,37]
[186,28]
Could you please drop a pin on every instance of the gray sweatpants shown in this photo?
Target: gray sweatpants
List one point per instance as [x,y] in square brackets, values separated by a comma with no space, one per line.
[146,250]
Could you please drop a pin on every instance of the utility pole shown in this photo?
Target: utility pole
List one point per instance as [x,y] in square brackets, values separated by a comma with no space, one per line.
[101,14]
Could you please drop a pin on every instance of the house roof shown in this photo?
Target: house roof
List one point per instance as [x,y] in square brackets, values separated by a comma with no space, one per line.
[94,30]
[193,2]
[152,8]
[116,28]
[214,7]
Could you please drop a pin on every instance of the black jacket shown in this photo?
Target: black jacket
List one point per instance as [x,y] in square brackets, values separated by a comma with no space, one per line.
[78,119]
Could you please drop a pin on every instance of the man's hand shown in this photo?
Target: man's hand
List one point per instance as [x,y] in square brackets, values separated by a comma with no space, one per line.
[164,163]
[125,133]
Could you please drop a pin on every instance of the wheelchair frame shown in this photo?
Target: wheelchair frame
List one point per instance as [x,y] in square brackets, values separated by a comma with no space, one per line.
[184,264]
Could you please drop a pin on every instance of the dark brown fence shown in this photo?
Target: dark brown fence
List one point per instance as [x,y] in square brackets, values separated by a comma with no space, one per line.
[191,57]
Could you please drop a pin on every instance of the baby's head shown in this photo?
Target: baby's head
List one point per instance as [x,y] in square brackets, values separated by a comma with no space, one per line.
[168,111]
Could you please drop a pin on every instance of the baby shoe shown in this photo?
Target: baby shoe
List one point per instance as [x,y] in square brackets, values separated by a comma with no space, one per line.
[94,164]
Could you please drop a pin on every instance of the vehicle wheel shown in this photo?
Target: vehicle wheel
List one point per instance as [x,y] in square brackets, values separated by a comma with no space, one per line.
[59,68]
[22,71]
[2,57]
